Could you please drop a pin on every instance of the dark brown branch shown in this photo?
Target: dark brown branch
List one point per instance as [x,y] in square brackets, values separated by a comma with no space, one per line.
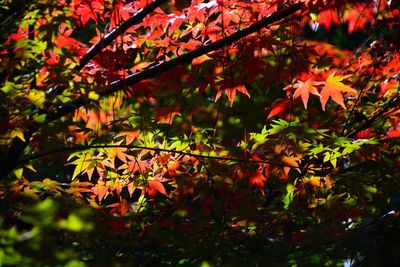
[78,148]
[183,59]
[152,72]
[136,18]
[110,37]
[391,104]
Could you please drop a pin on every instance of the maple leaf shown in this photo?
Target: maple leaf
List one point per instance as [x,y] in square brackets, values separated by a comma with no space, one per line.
[357,17]
[100,190]
[258,179]
[121,12]
[278,107]
[166,114]
[327,18]
[131,187]
[85,164]
[304,89]
[154,187]
[118,185]
[117,152]
[137,165]
[393,133]
[130,136]
[334,88]
[122,207]
[76,188]
[231,93]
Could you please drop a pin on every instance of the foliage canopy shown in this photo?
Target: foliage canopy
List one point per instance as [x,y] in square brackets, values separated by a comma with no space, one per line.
[199,133]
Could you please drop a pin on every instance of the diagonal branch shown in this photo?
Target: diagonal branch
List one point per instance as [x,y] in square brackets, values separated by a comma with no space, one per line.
[110,37]
[391,104]
[181,60]
[152,72]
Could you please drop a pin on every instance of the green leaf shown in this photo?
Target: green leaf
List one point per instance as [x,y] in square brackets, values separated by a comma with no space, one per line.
[288,198]
[39,118]
[75,224]
[10,87]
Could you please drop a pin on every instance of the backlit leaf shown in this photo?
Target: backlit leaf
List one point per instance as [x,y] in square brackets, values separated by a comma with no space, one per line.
[334,87]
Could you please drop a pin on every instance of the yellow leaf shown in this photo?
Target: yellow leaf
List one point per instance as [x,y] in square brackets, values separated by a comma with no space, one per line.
[93,96]
[290,161]
[18,172]
[334,88]
[18,133]
[37,98]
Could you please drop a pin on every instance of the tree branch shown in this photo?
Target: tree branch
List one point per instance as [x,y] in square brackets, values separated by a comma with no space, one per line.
[180,60]
[152,72]
[392,103]
[109,38]
[180,152]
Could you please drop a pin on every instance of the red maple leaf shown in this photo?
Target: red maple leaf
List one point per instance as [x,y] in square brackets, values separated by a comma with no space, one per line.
[122,207]
[154,187]
[258,179]
[327,18]
[357,17]
[278,106]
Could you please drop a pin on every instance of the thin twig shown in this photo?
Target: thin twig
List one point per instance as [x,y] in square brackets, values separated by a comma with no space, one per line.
[392,103]
[82,148]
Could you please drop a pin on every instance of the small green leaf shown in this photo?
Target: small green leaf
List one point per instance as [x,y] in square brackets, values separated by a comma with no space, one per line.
[39,118]
[289,196]
[75,224]
[11,87]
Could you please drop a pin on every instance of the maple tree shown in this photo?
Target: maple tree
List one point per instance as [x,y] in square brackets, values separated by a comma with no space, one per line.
[222,132]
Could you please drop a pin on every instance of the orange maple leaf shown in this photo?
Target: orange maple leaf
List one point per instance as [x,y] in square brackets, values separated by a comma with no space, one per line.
[258,179]
[304,89]
[154,187]
[334,88]
[231,93]
[122,207]
[100,190]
